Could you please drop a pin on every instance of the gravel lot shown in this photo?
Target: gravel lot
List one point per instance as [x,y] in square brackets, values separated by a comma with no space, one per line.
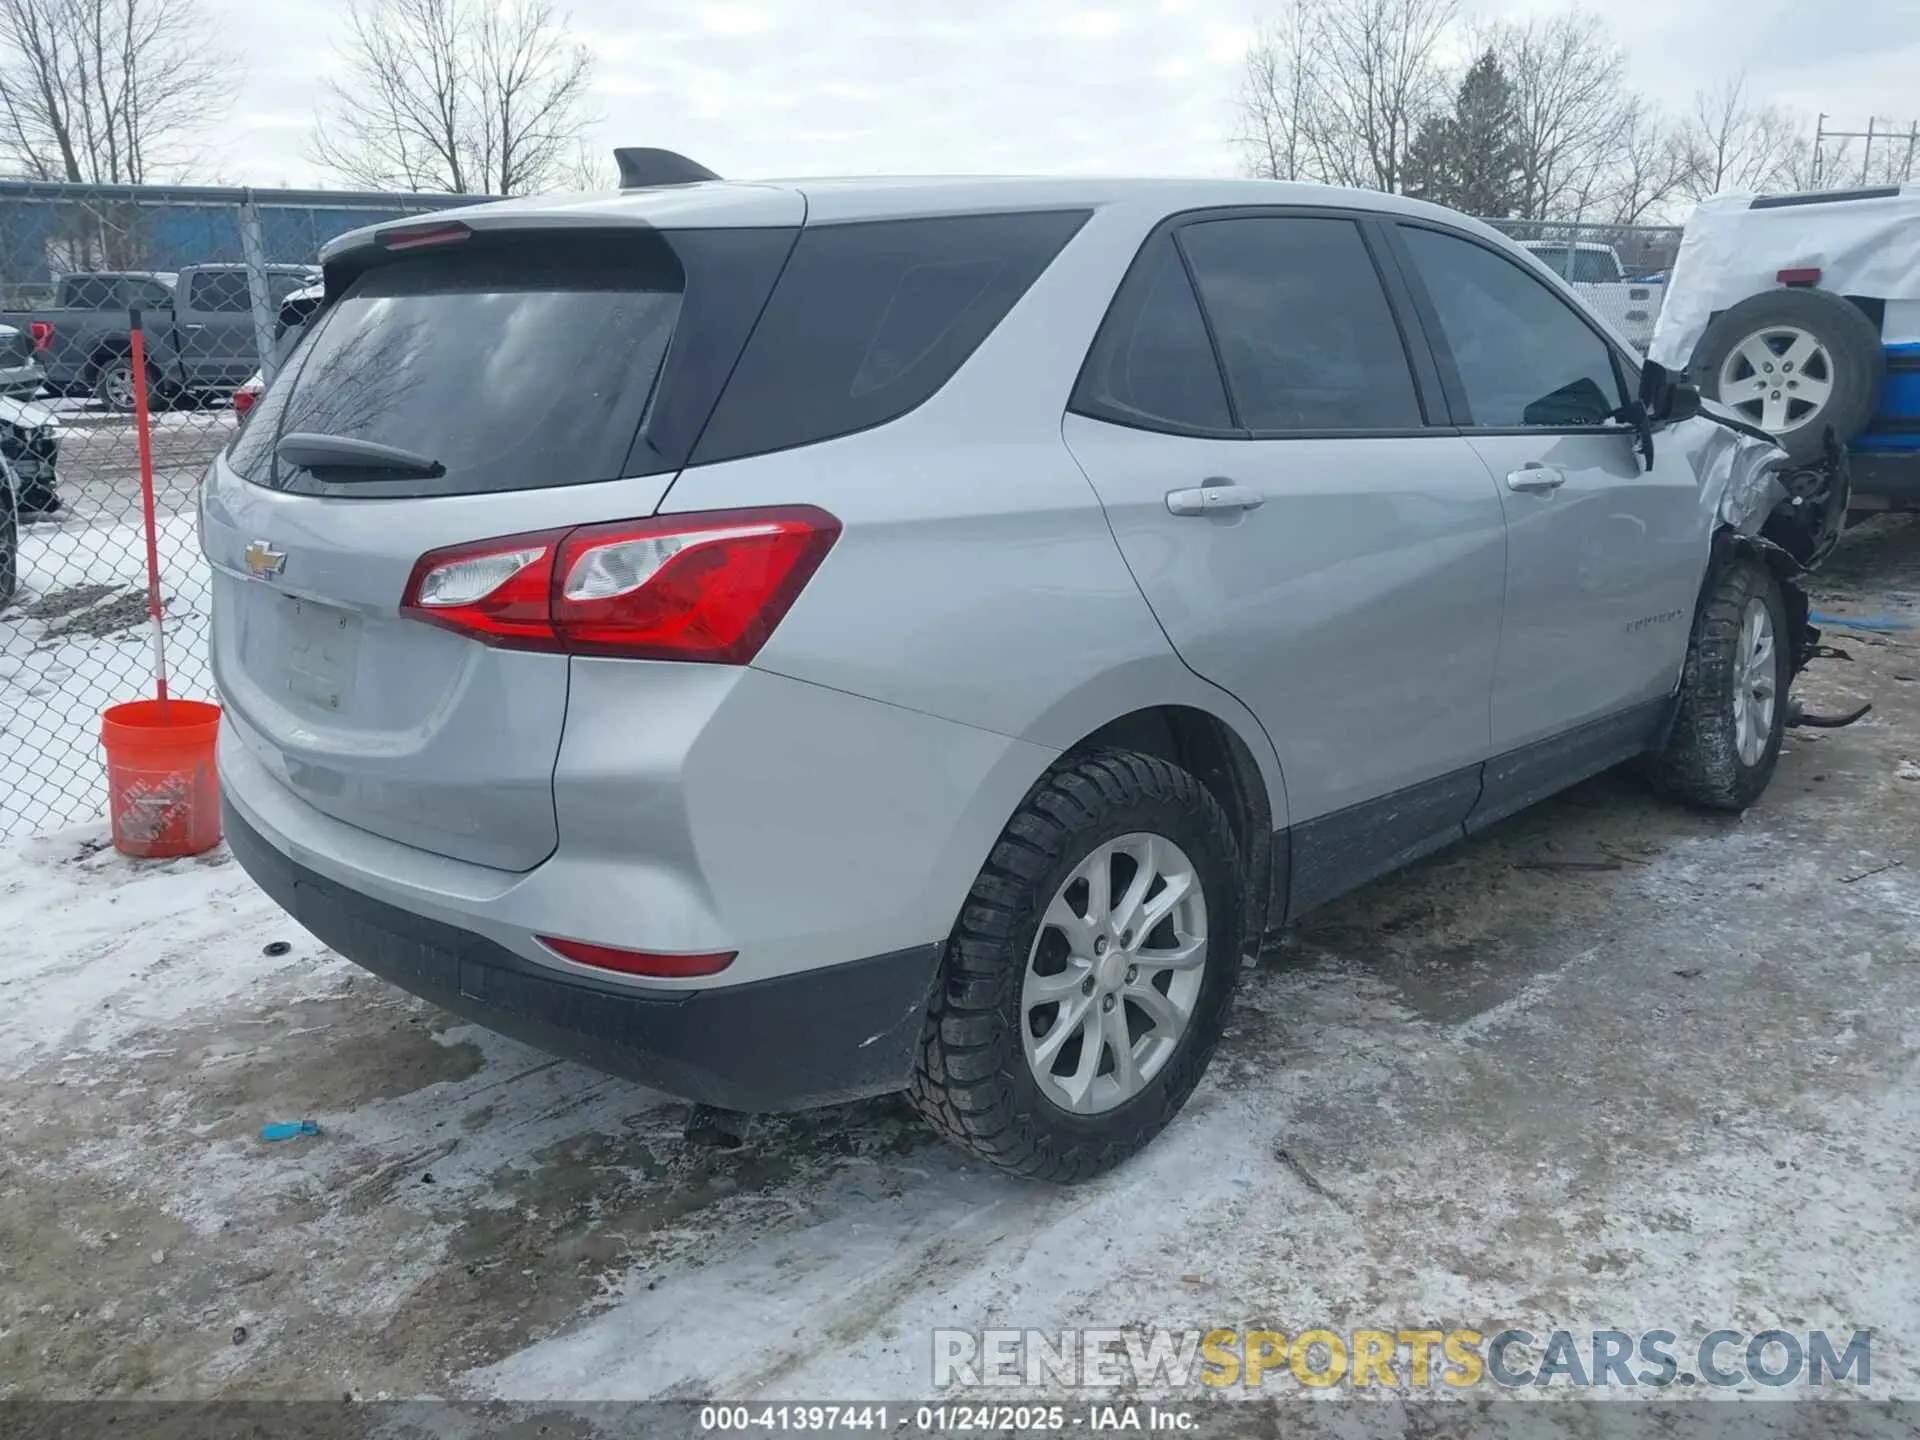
[1610,1065]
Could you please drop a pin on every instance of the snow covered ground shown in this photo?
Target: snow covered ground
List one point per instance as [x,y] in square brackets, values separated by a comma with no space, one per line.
[1672,1086]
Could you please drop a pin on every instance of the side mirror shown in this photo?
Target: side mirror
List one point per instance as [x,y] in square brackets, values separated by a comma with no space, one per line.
[1666,398]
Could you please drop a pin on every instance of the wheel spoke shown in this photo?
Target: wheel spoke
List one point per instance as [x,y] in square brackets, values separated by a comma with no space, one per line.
[1773,411]
[1098,873]
[1078,930]
[1167,1018]
[1127,910]
[1071,1019]
[1188,954]
[1162,905]
[1754,351]
[1079,1084]
[1803,349]
[1126,1071]
[1811,391]
[1047,989]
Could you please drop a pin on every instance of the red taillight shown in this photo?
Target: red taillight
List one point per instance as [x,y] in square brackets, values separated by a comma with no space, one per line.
[243,401]
[638,962]
[708,587]
[1800,275]
[418,237]
[42,334]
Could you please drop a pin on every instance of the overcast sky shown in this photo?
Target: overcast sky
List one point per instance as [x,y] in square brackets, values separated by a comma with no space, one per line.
[791,87]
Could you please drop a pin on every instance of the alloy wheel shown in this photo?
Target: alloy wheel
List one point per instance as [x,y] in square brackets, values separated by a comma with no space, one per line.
[1779,377]
[1114,973]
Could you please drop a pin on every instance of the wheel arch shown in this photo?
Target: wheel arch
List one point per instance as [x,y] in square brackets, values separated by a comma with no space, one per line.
[1215,753]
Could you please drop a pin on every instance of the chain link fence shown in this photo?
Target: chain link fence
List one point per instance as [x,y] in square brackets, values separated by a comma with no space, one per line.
[209,273]
[1621,270]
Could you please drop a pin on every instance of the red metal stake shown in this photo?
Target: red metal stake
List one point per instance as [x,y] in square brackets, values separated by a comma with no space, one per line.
[141,429]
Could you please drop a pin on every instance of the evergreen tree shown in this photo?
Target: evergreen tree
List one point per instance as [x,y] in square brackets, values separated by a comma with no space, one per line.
[1470,159]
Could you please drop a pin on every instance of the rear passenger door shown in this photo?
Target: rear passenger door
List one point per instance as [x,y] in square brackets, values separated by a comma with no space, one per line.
[214,329]
[1604,555]
[1252,420]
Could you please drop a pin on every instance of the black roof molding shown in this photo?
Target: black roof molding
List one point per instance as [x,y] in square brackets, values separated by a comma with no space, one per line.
[642,168]
[1823,197]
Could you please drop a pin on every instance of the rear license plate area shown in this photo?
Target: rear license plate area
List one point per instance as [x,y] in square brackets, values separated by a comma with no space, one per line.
[321,650]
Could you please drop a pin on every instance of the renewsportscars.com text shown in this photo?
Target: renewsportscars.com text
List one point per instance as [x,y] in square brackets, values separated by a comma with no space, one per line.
[1402,1358]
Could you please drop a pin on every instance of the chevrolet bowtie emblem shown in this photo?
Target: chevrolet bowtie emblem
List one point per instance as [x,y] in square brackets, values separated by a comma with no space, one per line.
[262,559]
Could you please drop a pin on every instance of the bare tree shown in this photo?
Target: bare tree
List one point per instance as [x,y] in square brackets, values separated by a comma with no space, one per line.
[468,96]
[1381,79]
[1649,168]
[1738,146]
[1278,98]
[1572,105]
[106,91]
[1337,90]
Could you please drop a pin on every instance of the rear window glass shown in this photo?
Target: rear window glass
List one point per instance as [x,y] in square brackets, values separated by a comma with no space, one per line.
[870,319]
[515,363]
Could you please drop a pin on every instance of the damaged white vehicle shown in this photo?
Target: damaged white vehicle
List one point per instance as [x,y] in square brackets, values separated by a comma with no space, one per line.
[1802,314]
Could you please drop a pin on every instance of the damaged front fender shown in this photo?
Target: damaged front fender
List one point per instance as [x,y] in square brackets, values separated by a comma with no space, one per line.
[1757,502]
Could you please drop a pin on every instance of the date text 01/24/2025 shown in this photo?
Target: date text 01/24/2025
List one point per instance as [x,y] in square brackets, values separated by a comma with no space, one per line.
[960,1419]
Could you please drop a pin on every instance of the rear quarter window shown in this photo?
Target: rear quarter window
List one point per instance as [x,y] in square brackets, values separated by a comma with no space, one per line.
[870,319]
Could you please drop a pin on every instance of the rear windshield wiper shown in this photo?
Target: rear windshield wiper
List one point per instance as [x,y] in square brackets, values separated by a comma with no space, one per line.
[324,453]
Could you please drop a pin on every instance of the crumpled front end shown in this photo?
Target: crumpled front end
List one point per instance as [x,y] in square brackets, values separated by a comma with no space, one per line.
[1760,501]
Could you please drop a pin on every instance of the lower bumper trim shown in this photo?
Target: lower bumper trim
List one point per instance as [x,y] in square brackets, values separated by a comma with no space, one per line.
[822,1037]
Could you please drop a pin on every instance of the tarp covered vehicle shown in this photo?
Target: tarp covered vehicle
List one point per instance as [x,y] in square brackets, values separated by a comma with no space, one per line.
[1801,313]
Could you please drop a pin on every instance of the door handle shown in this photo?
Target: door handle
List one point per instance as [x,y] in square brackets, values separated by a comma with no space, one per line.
[1536,479]
[1215,497]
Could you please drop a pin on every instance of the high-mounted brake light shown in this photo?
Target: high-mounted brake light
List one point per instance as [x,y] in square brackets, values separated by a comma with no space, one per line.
[708,587]
[638,962]
[418,237]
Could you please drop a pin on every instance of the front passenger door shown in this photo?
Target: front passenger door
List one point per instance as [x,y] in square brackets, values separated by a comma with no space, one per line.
[1604,557]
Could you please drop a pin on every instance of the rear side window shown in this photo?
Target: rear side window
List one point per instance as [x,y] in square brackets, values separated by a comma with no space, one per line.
[520,363]
[870,319]
[1305,332]
[1152,364]
[92,292]
[219,292]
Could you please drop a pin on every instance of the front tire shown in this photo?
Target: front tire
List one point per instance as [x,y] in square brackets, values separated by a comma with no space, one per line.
[1732,717]
[1089,975]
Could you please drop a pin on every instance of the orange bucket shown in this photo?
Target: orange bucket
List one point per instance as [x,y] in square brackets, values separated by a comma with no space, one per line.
[163,791]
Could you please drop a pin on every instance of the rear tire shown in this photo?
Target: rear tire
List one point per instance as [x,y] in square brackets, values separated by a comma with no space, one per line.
[1732,716]
[1838,349]
[983,1077]
[113,384]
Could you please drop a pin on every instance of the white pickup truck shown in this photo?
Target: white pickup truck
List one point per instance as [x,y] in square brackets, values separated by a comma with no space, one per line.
[1595,271]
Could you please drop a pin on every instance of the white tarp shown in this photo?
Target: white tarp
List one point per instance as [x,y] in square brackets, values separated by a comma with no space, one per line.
[1865,247]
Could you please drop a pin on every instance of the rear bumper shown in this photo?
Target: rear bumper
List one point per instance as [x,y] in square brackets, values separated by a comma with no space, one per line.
[820,1037]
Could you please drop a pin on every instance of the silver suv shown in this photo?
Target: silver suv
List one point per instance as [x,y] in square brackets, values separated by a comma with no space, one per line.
[793,642]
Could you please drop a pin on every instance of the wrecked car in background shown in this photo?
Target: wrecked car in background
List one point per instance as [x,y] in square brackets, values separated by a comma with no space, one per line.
[1802,314]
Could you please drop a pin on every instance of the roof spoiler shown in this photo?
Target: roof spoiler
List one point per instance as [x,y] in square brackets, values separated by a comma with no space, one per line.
[642,168]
